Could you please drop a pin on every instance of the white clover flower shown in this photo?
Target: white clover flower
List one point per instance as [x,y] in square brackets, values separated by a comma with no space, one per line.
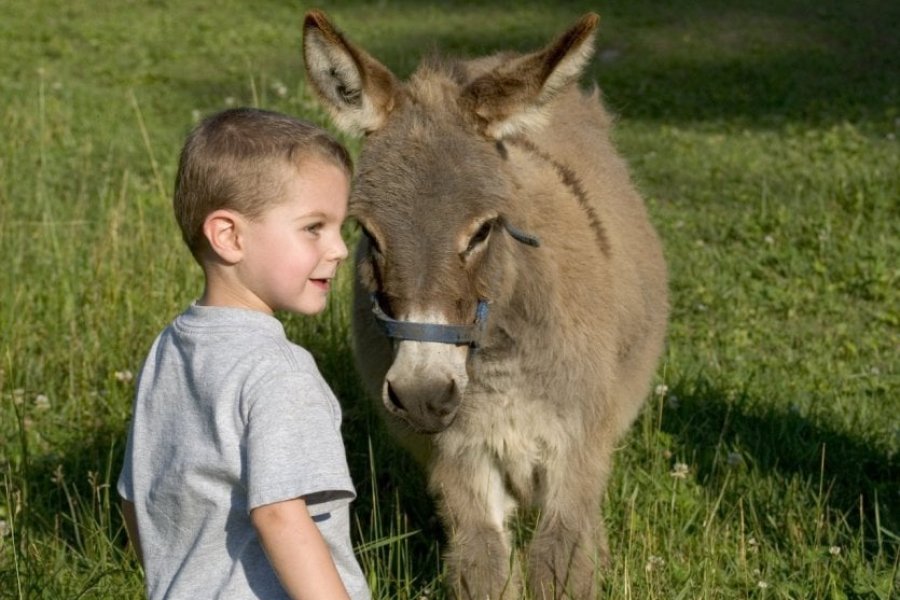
[834,551]
[769,240]
[280,89]
[230,101]
[124,376]
[654,562]
[661,390]
[762,585]
[680,471]
[41,402]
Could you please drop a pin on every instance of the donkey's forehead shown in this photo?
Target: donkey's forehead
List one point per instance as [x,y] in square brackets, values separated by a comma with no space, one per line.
[434,167]
[411,203]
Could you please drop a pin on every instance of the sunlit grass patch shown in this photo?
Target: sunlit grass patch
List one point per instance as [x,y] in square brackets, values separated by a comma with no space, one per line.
[764,138]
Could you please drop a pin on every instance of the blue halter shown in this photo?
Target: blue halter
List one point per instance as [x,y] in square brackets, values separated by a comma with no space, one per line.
[459,335]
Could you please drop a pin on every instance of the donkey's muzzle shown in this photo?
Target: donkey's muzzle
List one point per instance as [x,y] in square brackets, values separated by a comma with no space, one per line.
[427,407]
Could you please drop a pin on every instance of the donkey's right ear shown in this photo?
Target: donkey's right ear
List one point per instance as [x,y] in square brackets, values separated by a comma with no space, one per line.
[357,90]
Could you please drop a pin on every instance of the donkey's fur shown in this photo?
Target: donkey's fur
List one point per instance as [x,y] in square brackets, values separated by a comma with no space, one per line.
[576,326]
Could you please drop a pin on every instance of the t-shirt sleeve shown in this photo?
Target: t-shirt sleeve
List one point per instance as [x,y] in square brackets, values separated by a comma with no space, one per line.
[294,447]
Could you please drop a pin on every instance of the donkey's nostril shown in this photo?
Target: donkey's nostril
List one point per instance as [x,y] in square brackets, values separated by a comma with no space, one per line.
[444,404]
[393,397]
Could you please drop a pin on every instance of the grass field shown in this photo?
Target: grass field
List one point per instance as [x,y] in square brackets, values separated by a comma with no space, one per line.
[763,135]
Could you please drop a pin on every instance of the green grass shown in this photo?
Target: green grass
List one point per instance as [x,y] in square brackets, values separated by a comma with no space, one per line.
[764,137]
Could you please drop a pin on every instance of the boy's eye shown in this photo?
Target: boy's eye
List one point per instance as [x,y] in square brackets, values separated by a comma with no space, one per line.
[313,228]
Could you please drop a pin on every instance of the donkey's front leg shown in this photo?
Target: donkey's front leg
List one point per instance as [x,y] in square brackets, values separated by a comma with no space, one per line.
[474,505]
[570,542]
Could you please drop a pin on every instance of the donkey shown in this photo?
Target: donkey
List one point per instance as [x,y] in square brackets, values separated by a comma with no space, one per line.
[511,301]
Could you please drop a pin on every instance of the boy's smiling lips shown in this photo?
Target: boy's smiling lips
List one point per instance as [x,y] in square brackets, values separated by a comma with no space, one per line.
[322,282]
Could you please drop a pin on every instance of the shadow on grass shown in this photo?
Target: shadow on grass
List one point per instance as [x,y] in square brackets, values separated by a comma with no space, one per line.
[858,480]
[68,507]
[762,63]
[66,501]
[750,64]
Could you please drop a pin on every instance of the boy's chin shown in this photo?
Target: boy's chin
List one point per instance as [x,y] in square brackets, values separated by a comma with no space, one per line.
[310,308]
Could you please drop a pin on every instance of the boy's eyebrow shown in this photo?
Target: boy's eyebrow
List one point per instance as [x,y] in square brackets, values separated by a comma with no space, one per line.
[314,214]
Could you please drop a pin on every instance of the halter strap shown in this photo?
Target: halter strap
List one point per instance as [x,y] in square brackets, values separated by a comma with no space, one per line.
[520,236]
[459,335]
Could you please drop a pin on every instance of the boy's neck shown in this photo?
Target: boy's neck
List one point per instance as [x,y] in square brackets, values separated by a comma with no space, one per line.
[218,291]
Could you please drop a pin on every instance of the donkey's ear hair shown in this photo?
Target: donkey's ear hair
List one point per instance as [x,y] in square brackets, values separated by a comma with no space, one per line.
[356,89]
[511,98]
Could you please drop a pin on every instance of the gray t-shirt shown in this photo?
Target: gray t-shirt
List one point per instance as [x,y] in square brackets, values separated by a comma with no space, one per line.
[229,415]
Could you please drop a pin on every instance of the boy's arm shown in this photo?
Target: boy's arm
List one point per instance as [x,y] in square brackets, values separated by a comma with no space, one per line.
[297,551]
[131,527]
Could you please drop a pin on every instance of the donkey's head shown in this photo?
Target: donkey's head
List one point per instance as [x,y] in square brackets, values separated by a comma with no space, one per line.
[444,240]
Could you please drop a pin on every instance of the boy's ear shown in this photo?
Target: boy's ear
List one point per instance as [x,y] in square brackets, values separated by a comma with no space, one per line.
[221,228]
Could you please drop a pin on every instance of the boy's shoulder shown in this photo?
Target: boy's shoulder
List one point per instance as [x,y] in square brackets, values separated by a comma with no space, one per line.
[254,339]
[280,354]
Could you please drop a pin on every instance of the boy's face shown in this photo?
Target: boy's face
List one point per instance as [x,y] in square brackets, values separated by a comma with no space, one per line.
[291,254]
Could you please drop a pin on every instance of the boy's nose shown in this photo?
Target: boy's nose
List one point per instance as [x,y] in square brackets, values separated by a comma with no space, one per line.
[340,251]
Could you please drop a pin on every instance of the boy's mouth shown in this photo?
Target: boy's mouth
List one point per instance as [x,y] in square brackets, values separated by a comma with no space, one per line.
[323,283]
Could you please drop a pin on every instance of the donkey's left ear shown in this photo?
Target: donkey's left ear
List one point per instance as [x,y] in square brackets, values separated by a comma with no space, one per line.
[511,98]
[357,90]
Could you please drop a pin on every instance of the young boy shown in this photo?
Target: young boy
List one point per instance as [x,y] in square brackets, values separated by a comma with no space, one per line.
[235,482]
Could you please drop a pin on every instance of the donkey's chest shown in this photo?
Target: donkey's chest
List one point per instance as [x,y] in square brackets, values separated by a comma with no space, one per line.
[518,434]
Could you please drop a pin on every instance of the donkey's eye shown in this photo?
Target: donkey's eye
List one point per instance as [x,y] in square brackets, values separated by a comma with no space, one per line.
[480,236]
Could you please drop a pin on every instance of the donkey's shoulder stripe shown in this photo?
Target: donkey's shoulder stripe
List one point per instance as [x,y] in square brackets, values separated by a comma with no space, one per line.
[571,181]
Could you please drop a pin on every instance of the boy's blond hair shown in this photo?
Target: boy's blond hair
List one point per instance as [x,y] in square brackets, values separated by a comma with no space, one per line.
[234,160]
